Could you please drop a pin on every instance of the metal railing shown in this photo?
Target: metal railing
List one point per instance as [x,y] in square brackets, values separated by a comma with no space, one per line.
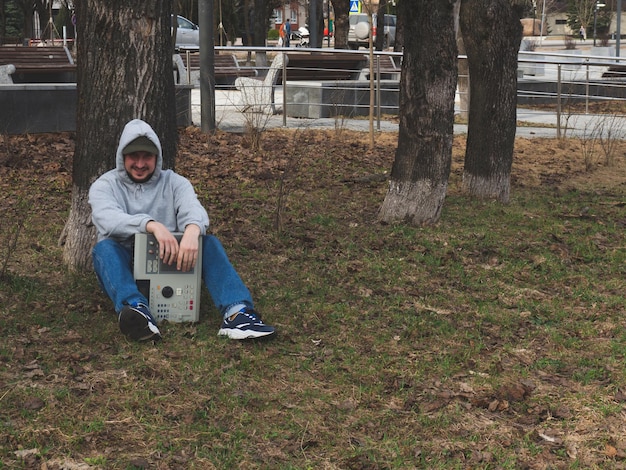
[552,80]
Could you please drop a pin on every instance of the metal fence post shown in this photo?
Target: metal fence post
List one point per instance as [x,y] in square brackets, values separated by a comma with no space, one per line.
[587,89]
[284,93]
[558,101]
[378,92]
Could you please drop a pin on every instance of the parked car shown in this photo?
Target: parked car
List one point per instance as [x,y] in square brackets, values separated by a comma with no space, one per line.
[187,34]
[358,34]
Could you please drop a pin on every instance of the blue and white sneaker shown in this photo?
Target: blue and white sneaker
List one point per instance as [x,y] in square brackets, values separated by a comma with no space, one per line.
[245,324]
[137,323]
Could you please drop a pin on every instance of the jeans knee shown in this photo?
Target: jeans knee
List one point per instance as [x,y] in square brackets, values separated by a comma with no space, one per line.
[109,250]
[209,241]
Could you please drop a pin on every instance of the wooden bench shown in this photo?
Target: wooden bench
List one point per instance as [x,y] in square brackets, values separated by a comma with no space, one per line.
[227,68]
[324,67]
[615,71]
[45,64]
[388,66]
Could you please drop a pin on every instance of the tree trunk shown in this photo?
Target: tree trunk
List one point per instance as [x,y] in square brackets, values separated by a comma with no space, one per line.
[27,8]
[464,78]
[341,25]
[399,44]
[260,31]
[419,177]
[492,33]
[259,25]
[380,25]
[316,23]
[124,71]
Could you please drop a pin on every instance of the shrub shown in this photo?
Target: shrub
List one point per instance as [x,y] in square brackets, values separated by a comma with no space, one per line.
[272,34]
[570,42]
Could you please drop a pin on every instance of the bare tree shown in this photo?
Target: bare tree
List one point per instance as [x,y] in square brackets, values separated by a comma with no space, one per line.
[585,13]
[419,177]
[124,72]
[492,33]
[186,8]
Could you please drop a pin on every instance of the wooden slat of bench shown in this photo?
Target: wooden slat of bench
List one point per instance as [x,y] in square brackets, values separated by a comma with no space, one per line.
[385,65]
[44,51]
[35,68]
[229,72]
[223,60]
[36,59]
[226,65]
[311,66]
[615,71]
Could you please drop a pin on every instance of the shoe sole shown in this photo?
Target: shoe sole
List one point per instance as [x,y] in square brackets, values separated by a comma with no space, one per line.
[240,334]
[134,325]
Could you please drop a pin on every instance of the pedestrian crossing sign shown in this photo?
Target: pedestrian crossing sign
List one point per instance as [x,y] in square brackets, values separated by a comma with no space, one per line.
[354,6]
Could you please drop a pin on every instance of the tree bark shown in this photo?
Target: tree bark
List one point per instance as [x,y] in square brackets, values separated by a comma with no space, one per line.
[463,79]
[124,71]
[259,24]
[380,25]
[492,33]
[399,44]
[342,23]
[419,177]
[316,23]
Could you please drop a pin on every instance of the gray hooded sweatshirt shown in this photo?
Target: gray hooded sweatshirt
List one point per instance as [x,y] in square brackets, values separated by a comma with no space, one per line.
[121,208]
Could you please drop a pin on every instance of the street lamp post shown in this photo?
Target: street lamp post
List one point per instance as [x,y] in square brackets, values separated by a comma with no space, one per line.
[543,17]
[618,34]
[596,7]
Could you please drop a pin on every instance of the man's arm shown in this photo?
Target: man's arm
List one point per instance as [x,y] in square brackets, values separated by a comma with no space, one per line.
[185,254]
[168,245]
[188,249]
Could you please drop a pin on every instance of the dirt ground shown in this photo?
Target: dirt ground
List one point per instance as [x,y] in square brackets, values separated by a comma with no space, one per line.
[38,168]
[536,161]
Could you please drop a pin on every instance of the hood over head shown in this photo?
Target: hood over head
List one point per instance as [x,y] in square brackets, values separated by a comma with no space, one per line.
[144,139]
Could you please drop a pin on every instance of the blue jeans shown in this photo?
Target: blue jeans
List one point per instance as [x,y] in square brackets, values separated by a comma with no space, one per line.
[112,263]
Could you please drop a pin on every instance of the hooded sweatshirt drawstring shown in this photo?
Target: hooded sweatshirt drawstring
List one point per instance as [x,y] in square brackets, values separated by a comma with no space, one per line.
[138,191]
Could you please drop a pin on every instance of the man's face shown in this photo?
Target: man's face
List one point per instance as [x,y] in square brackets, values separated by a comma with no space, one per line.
[140,165]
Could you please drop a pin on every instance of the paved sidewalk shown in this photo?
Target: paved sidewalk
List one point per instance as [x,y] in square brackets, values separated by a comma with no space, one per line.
[229,118]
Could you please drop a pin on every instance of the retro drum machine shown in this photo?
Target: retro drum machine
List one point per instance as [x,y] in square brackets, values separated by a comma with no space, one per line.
[172,295]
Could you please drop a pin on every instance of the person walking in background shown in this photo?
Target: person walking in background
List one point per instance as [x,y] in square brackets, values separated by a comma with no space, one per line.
[285,32]
[583,33]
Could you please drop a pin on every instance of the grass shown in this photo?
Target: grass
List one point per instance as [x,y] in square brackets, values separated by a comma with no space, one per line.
[492,340]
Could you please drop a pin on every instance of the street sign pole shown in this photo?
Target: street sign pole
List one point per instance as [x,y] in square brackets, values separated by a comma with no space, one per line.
[618,35]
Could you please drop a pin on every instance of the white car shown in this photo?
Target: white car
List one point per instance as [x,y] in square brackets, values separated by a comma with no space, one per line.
[187,34]
[359,31]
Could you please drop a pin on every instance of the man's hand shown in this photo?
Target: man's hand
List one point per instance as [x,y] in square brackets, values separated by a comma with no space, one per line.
[168,245]
[188,250]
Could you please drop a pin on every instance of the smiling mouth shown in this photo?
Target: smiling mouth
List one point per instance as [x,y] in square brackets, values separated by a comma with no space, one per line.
[139,176]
